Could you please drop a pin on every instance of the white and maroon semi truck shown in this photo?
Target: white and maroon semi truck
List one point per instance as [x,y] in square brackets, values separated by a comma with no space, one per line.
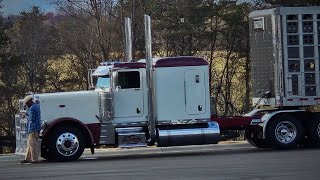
[166,101]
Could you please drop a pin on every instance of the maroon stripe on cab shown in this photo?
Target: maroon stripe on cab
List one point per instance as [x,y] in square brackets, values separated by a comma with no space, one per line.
[290,99]
[130,65]
[180,61]
[317,98]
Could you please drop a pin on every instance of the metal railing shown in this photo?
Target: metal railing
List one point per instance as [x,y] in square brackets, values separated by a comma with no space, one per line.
[21,134]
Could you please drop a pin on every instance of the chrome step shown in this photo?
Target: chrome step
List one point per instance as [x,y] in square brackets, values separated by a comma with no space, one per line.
[107,134]
[131,137]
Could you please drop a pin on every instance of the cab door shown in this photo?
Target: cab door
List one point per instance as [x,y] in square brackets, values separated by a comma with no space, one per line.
[128,94]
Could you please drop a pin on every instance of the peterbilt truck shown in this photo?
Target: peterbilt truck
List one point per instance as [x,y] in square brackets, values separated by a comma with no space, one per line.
[166,101]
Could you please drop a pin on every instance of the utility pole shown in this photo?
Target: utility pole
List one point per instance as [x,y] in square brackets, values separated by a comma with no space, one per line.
[132,28]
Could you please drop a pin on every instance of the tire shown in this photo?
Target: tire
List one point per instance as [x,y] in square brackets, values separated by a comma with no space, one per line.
[66,143]
[314,132]
[44,153]
[256,142]
[284,132]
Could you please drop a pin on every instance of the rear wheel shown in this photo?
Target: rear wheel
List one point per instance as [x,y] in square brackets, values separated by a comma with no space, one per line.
[66,143]
[254,141]
[314,132]
[284,132]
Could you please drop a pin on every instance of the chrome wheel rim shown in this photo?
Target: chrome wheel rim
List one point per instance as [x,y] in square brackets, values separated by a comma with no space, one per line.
[286,132]
[67,144]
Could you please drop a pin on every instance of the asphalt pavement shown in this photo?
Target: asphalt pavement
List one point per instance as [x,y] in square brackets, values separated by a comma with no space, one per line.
[222,161]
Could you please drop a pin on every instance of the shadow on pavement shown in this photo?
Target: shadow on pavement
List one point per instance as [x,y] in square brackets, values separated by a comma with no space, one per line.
[152,155]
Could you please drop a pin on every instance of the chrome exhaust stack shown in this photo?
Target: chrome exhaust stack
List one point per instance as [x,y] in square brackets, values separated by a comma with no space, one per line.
[128,35]
[189,136]
[151,115]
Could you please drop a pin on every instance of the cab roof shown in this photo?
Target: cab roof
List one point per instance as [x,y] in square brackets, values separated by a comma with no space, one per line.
[157,63]
[164,62]
[180,61]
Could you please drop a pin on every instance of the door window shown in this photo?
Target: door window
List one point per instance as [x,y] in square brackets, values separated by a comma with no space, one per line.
[128,79]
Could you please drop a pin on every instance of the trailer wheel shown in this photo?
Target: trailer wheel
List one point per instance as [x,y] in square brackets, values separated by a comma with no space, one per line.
[284,132]
[314,132]
[259,143]
[66,143]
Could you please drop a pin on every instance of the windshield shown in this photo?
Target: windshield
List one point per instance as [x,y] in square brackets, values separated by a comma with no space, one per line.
[103,82]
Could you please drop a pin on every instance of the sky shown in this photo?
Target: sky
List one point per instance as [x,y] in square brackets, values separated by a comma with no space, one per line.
[16,6]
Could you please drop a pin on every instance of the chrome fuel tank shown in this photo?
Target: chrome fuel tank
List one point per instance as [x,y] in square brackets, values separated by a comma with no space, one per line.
[189,136]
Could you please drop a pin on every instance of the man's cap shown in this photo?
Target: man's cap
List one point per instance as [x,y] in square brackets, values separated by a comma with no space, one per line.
[26,99]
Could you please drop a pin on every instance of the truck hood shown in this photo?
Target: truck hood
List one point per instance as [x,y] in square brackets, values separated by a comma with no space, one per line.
[80,105]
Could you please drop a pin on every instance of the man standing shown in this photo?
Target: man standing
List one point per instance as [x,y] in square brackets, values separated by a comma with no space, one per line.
[33,128]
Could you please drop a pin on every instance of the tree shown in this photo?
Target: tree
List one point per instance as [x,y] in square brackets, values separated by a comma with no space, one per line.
[34,42]
[233,53]
[9,87]
[96,16]
[88,34]
[180,26]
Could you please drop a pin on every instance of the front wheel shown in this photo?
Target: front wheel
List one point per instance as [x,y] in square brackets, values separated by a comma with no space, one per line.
[66,143]
[284,132]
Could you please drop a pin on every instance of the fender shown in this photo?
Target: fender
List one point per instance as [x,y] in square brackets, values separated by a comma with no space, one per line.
[62,120]
[268,116]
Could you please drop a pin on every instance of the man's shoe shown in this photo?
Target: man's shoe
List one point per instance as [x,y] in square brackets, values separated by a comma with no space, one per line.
[24,162]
